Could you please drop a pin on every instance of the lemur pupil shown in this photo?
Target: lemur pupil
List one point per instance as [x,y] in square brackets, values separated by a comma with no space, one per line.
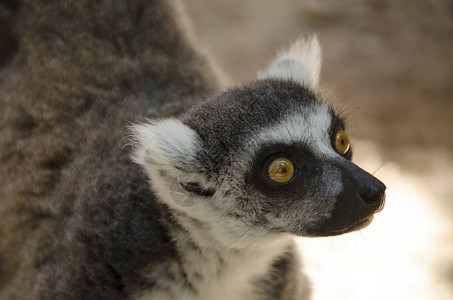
[283,170]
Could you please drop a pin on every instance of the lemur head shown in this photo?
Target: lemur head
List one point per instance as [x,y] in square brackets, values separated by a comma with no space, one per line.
[268,156]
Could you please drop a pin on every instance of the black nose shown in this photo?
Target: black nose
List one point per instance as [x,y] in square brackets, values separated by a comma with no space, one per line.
[368,188]
[373,192]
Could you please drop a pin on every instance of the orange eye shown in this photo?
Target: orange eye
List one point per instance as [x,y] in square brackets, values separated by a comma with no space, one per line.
[342,142]
[281,170]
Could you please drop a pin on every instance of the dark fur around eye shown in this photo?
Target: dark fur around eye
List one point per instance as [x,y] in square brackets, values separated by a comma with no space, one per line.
[298,154]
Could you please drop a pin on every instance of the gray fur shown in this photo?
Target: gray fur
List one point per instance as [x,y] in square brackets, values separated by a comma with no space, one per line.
[79,219]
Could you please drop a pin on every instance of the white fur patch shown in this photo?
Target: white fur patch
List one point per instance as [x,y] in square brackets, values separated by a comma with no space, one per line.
[310,127]
[213,270]
[168,149]
[165,145]
[300,63]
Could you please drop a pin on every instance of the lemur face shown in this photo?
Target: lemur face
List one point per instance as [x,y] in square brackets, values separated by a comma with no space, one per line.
[283,159]
[267,156]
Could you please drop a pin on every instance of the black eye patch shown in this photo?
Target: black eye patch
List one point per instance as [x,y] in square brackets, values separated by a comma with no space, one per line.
[304,163]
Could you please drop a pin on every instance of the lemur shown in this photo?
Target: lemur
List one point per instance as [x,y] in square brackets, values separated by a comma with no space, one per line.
[127,173]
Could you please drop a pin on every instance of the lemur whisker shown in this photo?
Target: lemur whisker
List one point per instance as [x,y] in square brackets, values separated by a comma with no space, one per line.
[240,237]
[378,168]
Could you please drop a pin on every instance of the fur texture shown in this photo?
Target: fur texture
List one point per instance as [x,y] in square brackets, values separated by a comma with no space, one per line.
[188,212]
[77,217]
[300,63]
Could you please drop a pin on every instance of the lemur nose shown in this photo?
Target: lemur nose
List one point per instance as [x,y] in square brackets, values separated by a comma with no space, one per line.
[366,187]
[374,194]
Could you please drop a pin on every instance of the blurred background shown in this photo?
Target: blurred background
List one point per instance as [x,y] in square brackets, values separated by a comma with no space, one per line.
[389,66]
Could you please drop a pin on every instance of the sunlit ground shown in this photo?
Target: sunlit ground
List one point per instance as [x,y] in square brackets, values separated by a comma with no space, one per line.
[406,253]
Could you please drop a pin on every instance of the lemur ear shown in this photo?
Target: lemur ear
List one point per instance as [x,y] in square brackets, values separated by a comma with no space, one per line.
[300,63]
[167,146]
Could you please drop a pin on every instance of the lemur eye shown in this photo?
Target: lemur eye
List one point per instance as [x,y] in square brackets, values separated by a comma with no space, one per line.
[281,170]
[342,142]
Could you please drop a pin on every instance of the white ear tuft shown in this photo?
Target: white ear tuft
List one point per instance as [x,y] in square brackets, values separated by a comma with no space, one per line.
[168,146]
[300,63]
